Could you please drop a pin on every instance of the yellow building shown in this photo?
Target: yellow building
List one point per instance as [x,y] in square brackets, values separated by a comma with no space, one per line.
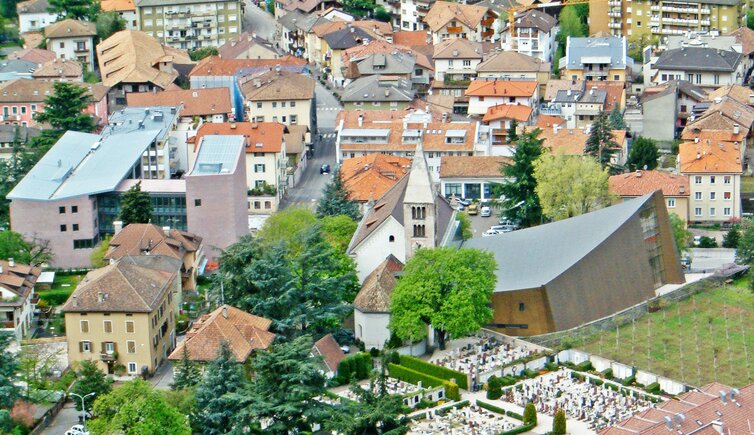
[122,314]
[599,59]
[661,18]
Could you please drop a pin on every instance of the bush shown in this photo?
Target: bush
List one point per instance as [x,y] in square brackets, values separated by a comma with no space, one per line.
[494,388]
[608,373]
[559,423]
[435,371]
[394,357]
[653,388]
[521,429]
[355,366]
[374,352]
[452,391]
[551,367]
[628,381]
[530,414]
[508,380]
[394,342]
[585,366]
[707,242]
[411,376]
[56,297]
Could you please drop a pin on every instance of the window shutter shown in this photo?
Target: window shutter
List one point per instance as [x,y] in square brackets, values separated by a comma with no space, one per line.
[104,349]
[115,346]
[81,346]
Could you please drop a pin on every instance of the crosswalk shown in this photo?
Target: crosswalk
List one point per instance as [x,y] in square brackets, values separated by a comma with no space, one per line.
[328,135]
[323,109]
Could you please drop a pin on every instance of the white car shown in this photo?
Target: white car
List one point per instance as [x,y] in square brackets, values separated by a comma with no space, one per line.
[697,240]
[486,212]
[490,233]
[77,429]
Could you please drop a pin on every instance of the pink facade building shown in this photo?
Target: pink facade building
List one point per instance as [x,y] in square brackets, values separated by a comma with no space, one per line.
[21,99]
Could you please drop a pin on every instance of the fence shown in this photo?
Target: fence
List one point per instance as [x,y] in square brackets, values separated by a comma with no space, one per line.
[47,417]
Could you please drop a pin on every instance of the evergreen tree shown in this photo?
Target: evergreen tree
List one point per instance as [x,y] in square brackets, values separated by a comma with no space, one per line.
[600,143]
[335,200]
[108,23]
[616,119]
[511,136]
[186,372]
[530,413]
[76,9]
[370,413]
[643,154]
[215,408]
[64,108]
[135,206]
[732,237]
[521,202]
[559,423]
[287,379]
[9,392]
[90,379]
[745,248]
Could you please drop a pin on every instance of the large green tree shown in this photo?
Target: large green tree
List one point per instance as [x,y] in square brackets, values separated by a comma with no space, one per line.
[35,252]
[568,186]
[745,249]
[519,198]
[135,206]
[446,288]
[186,372]
[338,230]
[335,200]
[215,407]
[8,8]
[289,227]
[90,379]
[681,234]
[572,23]
[108,23]
[643,154]
[372,412]
[600,144]
[9,391]
[77,9]
[358,7]
[64,108]
[750,19]
[616,120]
[135,408]
[287,380]
[637,44]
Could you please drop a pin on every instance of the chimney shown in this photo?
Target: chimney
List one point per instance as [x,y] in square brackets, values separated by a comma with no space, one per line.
[233,126]
[117,226]
[166,230]
[361,120]
[11,262]
[751,99]
[681,189]
[1,268]
[100,297]
[555,128]
[723,396]
[696,140]
[736,129]
[75,301]
[225,311]
[638,173]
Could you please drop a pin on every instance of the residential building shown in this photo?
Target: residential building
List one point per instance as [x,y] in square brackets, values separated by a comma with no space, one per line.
[377,92]
[21,99]
[533,35]
[448,20]
[705,409]
[471,177]
[360,60]
[410,215]
[500,119]
[149,239]
[545,274]
[16,69]
[216,198]
[724,113]
[38,56]
[704,67]
[367,178]
[17,298]
[667,108]
[334,43]
[266,160]
[360,133]
[510,65]
[248,46]
[190,24]
[34,15]
[284,7]
[330,353]
[371,308]
[412,14]
[125,9]
[72,40]
[600,58]
[209,105]
[280,96]
[741,94]
[456,60]
[393,64]
[713,163]
[572,141]
[60,71]
[15,135]
[244,334]
[132,61]
[124,314]
[662,18]
[295,151]
[484,94]
[297,35]
[674,187]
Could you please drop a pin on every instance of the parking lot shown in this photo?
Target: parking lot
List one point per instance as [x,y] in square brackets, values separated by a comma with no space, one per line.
[481,224]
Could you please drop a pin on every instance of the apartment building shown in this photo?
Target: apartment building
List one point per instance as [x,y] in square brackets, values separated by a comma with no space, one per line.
[72,40]
[702,66]
[533,35]
[484,94]
[447,20]
[456,60]
[712,162]
[123,314]
[34,15]
[602,58]
[17,298]
[471,177]
[675,189]
[675,17]
[501,118]
[209,105]
[280,96]
[125,9]
[378,93]
[59,70]
[190,24]
[667,107]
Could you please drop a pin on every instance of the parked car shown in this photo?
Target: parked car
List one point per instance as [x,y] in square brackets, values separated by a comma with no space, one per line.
[465,202]
[486,212]
[490,233]
[697,240]
[324,169]
[77,429]
[503,228]
[473,209]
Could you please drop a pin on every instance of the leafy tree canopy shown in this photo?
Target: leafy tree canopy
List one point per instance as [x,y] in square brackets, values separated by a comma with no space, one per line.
[681,234]
[215,408]
[64,108]
[745,250]
[370,413]
[732,237]
[600,144]
[750,19]
[616,120]
[8,370]
[135,206]
[289,227]
[338,230]
[520,201]
[90,379]
[200,53]
[76,9]
[449,289]
[335,200]
[643,155]
[34,252]
[97,257]
[108,23]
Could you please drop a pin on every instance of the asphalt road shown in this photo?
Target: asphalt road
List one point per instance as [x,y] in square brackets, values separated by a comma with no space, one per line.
[256,20]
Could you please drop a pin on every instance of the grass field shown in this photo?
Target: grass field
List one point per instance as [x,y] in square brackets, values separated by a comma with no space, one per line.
[708,337]
[61,289]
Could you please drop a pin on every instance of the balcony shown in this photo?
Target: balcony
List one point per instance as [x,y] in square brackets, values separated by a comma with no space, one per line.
[614,3]
[487,33]
[488,22]
[455,30]
[81,50]
[10,118]
[614,25]
[108,356]
[655,8]
[7,324]
[614,14]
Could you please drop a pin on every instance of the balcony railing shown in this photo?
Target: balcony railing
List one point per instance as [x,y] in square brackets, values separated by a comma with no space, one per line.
[487,33]
[488,21]
[108,356]
[456,29]
[7,324]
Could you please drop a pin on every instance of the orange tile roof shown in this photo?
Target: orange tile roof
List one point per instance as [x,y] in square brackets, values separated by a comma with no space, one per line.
[369,177]
[714,135]
[140,239]
[242,331]
[330,351]
[709,156]
[117,5]
[411,39]
[442,12]
[432,141]
[196,102]
[501,88]
[268,134]
[214,66]
[472,166]
[615,90]
[377,288]
[642,182]
[571,141]
[548,121]
[508,111]
[379,46]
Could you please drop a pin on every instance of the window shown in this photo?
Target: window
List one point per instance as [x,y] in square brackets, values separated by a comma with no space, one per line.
[726,179]
[419,213]
[712,196]
[521,306]
[419,231]
[727,195]
[711,179]
[63,228]
[75,227]
[293,104]
[62,45]
[268,205]
[282,104]
[130,326]
[131,345]
[712,211]
[74,209]
[698,196]
[259,183]
[294,119]
[132,368]
[259,105]
[108,325]
[23,110]
[391,238]
[108,347]
[466,63]
[671,202]
[259,167]
[274,104]
[81,46]
[283,120]
[726,211]
[61,210]
[698,211]
[85,346]
[197,203]
[698,180]
[84,326]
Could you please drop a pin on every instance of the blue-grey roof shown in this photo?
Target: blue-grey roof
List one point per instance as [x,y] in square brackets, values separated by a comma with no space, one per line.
[129,119]
[218,154]
[580,51]
[698,59]
[375,88]
[18,66]
[83,164]
[533,257]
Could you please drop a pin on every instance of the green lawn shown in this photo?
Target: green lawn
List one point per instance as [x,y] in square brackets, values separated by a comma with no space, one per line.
[61,289]
[747,184]
[708,337]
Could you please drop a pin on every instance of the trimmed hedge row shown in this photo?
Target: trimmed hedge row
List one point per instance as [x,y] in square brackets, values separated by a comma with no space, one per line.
[520,429]
[434,370]
[355,366]
[443,411]
[406,374]
[492,408]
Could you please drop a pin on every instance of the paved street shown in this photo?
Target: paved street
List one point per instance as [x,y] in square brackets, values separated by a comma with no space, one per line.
[256,20]
[707,260]
[67,417]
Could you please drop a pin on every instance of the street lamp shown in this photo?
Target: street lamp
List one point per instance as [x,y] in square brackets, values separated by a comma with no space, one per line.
[83,407]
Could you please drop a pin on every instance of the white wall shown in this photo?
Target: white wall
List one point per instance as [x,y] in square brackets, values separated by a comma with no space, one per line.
[374,249]
[371,328]
[35,22]
[477,107]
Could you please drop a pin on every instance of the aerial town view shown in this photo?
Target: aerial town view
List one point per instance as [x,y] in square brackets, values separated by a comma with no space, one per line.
[365,217]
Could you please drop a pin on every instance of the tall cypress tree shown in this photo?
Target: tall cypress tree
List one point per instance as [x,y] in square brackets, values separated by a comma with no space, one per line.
[186,372]
[335,200]
[601,144]
[521,201]
[215,408]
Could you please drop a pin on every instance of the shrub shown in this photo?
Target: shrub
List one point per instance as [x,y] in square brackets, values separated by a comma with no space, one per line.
[22,414]
[551,367]
[508,380]
[374,352]
[494,388]
[452,391]
[608,373]
[585,366]
[707,242]
[435,371]
[355,366]
[628,381]
[394,342]
[559,423]
[56,297]
[520,429]
[406,374]
[653,388]
[530,414]
[529,374]
[394,358]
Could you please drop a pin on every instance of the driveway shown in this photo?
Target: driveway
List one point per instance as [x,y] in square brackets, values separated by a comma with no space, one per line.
[707,260]
[259,22]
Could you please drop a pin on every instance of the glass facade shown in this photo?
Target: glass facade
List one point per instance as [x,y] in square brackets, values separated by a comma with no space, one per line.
[168,210]
[650,234]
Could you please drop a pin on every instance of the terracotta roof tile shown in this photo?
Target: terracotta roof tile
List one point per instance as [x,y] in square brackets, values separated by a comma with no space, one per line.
[710,156]
[411,39]
[59,68]
[443,12]
[555,85]
[518,112]
[28,90]
[640,183]
[369,177]
[742,94]
[549,121]
[614,91]
[276,86]
[458,48]
[137,239]
[215,66]
[377,288]
[268,134]
[501,88]
[571,141]
[69,28]
[724,115]
[330,351]
[196,102]
[117,5]
[18,279]
[472,166]
[36,55]
[745,36]
[510,62]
